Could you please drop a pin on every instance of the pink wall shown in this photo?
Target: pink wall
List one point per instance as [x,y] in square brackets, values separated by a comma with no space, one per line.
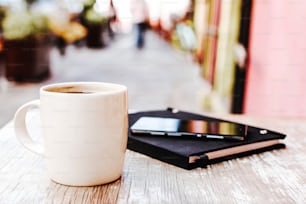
[276,76]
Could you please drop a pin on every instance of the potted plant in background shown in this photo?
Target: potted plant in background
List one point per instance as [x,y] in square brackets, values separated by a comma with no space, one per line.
[95,22]
[26,46]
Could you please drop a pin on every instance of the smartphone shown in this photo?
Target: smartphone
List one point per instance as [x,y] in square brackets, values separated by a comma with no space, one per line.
[189,128]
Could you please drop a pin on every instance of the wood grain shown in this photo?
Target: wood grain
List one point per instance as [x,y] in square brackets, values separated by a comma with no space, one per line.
[277,176]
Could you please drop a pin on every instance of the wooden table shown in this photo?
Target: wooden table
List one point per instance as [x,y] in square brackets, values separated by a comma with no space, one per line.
[277,176]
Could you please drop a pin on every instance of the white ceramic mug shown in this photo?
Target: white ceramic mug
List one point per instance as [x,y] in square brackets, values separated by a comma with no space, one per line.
[84,129]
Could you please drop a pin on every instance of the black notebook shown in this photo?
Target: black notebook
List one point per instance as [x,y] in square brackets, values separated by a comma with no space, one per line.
[193,153]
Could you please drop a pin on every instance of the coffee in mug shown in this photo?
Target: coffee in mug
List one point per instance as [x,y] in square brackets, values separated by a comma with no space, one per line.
[84,128]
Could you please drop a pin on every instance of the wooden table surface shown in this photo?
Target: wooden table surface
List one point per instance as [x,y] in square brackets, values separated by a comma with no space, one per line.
[277,176]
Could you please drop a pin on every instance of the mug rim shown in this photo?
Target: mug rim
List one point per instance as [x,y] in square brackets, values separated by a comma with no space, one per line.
[118,88]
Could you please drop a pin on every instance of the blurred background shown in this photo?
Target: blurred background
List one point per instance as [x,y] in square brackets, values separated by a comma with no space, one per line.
[217,56]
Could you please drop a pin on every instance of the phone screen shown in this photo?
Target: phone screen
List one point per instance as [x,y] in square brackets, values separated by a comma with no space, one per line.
[173,125]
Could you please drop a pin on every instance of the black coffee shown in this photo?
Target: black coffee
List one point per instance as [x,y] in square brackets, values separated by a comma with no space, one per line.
[77,92]
[81,89]
[73,90]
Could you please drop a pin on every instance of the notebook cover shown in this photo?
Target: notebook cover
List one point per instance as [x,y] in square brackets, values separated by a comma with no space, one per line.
[176,151]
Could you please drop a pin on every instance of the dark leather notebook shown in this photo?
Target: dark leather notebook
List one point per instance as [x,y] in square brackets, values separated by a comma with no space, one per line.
[193,153]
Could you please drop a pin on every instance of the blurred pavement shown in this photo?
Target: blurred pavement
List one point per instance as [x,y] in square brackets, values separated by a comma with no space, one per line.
[157,76]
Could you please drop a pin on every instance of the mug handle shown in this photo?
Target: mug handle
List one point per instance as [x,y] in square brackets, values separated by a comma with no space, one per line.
[21,131]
